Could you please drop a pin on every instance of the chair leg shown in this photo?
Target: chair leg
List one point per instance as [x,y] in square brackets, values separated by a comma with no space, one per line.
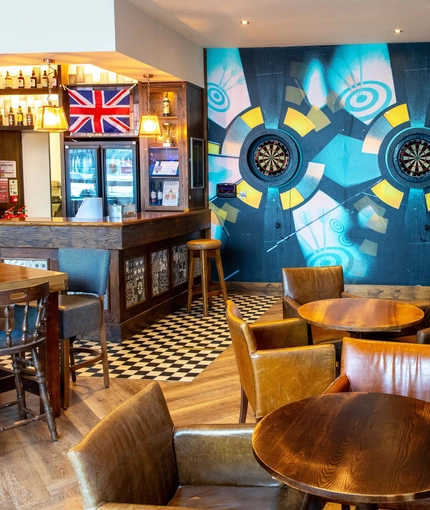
[41,379]
[72,357]
[20,395]
[243,406]
[103,347]
[65,372]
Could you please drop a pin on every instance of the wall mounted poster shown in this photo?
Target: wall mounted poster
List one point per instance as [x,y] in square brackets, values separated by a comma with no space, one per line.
[4,190]
[170,193]
[8,169]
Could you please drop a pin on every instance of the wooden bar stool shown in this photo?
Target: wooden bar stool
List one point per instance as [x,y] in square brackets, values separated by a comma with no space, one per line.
[205,249]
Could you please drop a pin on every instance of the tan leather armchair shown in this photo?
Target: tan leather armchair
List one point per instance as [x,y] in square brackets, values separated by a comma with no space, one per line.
[275,363]
[301,285]
[136,459]
[386,367]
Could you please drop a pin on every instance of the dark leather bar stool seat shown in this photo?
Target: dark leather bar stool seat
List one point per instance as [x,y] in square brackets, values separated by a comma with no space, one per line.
[205,250]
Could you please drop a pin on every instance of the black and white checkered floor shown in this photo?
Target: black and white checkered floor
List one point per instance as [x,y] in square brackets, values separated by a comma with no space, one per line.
[180,346]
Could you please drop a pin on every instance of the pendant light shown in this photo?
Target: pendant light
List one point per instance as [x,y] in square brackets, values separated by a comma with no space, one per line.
[149,125]
[50,118]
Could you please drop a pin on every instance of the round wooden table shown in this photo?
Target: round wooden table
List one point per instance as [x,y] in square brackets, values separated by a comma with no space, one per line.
[352,448]
[361,315]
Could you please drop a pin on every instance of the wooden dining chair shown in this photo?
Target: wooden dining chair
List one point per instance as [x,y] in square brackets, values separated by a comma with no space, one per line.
[23,332]
[81,310]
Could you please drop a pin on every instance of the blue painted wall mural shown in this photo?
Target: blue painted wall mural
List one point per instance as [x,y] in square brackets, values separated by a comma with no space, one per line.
[329,149]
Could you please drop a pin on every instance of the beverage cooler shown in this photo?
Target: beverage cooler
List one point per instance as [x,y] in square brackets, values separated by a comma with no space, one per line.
[105,169]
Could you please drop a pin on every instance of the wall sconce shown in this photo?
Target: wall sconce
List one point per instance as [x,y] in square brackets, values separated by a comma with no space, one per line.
[149,125]
[51,118]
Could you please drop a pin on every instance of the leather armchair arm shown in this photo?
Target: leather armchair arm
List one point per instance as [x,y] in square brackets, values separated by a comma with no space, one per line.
[280,334]
[218,455]
[290,307]
[339,385]
[423,336]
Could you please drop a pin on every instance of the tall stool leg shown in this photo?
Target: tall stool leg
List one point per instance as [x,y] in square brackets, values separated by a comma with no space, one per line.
[221,276]
[205,282]
[190,279]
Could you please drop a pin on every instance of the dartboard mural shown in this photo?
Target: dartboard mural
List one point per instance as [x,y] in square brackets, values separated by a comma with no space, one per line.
[329,149]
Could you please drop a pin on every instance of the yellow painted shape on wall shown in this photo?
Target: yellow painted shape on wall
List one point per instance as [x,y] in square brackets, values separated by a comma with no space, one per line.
[253,118]
[294,94]
[369,248]
[219,213]
[318,118]
[213,148]
[231,212]
[251,196]
[291,198]
[298,122]
[427,195]
[388,194]
[397,115]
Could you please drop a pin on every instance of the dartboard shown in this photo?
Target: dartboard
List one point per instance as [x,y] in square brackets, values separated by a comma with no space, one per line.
[271,157]
[414,157]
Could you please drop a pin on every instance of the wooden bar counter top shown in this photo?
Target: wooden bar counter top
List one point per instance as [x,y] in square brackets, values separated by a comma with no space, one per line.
[148,258]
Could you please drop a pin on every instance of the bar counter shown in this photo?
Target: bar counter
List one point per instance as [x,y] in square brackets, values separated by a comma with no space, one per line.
[148,276]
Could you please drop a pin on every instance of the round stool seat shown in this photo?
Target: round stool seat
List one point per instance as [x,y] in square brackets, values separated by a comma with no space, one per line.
[204,244]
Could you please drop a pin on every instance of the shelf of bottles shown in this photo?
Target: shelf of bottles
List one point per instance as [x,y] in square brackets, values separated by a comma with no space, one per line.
[164,165]
[23,89]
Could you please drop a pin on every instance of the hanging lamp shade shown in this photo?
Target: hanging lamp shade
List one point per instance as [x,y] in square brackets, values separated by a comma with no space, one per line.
[51,119]
[149,126]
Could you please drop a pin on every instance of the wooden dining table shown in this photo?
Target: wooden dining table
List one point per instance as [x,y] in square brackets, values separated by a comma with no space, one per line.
[361,315]
[13,277]
[360,449]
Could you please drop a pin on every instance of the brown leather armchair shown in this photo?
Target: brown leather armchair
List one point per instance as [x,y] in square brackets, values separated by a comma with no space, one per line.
[275,363]
[301,285]
[386,367]
[136,459]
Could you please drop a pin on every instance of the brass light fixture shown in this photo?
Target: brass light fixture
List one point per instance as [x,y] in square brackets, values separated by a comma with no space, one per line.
[149,125]
[51,118]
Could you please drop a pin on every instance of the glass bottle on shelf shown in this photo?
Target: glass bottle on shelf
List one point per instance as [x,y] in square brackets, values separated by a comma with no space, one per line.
[11,117]
[33,80]
[1,118]
[160,194]
[153,194]
[166,105]
[29,117]
[8,81]
[54,81]
[20,80]
[44,80]
[19,117]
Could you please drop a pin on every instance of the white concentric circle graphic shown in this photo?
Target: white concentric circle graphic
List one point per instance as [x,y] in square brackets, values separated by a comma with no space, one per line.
[218,98]
[366,99]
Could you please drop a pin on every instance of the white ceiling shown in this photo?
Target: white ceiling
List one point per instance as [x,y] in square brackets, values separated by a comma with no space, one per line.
[273,23]
[215,24]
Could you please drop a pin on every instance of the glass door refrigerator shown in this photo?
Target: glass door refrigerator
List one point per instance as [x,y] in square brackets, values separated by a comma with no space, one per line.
[105,169]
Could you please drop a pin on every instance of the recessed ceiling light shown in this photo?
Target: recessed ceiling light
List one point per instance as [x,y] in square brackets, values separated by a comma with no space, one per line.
[397,31]
[244,22]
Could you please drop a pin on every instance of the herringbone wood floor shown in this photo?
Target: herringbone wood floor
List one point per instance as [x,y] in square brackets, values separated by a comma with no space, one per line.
[35,473]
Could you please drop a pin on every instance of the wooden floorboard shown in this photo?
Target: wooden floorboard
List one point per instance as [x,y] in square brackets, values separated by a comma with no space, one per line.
[35,473]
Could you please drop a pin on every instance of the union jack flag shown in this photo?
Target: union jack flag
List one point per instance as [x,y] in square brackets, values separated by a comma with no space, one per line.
[99,111]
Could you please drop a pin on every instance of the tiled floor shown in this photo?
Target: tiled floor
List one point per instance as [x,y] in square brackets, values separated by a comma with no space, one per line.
[180,346]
